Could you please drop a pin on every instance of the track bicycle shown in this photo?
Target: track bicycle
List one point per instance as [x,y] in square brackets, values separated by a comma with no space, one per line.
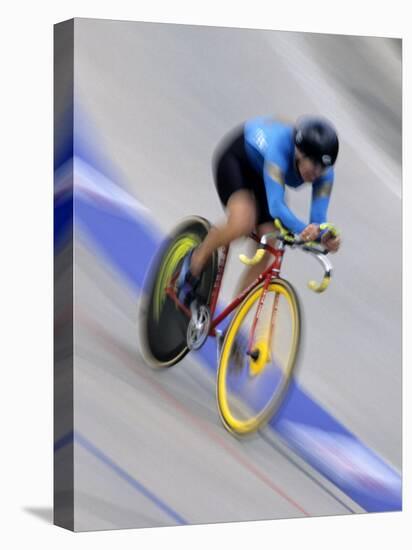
[257,353]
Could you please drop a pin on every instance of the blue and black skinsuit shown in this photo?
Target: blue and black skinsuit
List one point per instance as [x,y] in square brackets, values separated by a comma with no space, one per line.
[261,158]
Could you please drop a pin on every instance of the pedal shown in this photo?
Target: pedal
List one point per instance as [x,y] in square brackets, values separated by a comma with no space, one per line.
[194,309]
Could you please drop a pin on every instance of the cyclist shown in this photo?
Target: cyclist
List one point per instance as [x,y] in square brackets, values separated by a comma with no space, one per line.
[251,169]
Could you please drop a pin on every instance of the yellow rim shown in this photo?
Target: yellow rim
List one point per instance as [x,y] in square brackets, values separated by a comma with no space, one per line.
[241,426]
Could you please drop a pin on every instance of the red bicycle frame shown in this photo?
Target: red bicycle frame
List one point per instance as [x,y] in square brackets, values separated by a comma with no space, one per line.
[272,270]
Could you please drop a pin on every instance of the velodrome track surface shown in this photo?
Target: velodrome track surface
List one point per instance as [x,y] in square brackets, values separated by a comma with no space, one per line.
[149,447]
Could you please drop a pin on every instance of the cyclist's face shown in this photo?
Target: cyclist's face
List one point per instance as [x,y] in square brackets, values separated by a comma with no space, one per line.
[308,169]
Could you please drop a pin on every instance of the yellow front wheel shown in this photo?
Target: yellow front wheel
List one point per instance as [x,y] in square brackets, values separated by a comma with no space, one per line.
[254,376]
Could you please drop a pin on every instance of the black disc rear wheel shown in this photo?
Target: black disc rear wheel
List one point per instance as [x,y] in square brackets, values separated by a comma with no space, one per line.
[163,325]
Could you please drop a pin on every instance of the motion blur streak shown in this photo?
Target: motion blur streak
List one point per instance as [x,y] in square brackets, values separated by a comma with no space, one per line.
[105,341]
[78,438]
[298,403]
[146,122]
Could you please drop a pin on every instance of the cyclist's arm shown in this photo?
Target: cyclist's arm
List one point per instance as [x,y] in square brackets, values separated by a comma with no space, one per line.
[321,191]
[275,192]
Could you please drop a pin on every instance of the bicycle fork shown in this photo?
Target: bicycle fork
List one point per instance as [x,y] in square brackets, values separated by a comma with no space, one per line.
[254,353]
[265,345]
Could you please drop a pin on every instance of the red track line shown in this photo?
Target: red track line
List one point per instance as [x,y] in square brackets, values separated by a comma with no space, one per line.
[108,341]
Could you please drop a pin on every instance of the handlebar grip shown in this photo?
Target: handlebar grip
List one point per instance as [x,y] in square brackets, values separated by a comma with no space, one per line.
[284,234]
[256,258]
[334,231]
[320,287]
[281,228]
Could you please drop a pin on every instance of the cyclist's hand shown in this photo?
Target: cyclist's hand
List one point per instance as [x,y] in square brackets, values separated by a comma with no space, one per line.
[330,242]
[310,233]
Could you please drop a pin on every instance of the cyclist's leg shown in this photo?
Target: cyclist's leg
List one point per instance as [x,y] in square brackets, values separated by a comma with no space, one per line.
[241,220]
[264,226]
[232,180]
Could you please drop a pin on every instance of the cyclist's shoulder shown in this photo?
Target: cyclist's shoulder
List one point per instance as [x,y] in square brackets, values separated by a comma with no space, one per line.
[277,135]
[281,144]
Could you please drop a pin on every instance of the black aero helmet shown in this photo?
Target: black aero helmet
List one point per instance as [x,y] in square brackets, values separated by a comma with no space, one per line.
[316,138]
